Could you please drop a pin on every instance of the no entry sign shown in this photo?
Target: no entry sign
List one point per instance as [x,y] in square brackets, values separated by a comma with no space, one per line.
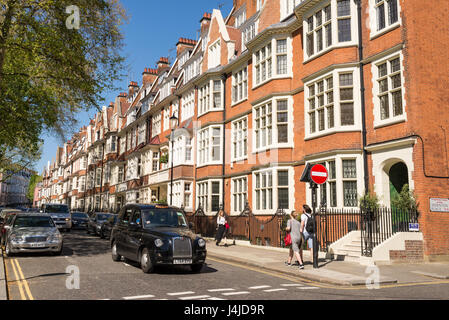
[319,174]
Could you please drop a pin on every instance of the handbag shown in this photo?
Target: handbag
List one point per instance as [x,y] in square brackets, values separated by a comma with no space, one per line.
[227,226]
[287,239]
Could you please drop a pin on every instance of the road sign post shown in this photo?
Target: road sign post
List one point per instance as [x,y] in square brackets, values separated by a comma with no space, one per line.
[315,175]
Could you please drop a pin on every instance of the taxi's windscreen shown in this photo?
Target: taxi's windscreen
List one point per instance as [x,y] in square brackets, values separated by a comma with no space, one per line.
[163,218]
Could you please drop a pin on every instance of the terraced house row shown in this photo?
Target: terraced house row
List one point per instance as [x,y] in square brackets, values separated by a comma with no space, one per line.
[360,86]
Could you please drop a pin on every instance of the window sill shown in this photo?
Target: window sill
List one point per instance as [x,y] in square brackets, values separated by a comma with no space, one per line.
[216,163]
[278,77]
[327,133]
[386,123]
[213,110]
[385,30]
[279,146]
[238,102]
[340,46]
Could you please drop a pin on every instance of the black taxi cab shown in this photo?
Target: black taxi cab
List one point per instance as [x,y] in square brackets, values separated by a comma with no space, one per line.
[156,235]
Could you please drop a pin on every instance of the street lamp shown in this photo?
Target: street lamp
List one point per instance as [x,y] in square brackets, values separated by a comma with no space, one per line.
[173,124]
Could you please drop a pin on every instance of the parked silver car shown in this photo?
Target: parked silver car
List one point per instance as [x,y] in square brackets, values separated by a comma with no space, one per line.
[33,232]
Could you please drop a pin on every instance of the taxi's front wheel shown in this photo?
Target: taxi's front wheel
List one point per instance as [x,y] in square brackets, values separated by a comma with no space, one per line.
[115,256]
[145,261]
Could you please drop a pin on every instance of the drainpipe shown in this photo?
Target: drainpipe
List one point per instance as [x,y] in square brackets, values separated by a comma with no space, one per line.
[362,96]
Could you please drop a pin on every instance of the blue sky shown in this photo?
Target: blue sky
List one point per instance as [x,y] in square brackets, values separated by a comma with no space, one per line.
[152,31]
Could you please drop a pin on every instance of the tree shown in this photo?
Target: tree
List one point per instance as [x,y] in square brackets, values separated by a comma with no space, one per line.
[52,66]
[34,180]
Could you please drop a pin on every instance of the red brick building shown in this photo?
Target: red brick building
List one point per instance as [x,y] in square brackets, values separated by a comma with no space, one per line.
[359,86]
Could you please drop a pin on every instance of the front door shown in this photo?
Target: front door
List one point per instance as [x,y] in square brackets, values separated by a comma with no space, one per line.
[135,235]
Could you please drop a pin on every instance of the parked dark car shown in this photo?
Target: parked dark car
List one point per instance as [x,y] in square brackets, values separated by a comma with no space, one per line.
[106,227]
[95,222]
[156,235]
[79,220]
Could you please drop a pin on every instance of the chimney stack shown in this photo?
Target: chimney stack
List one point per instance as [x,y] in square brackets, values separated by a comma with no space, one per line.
[149,76]
[184,44]
[205,21]
[133,86]
[162,64]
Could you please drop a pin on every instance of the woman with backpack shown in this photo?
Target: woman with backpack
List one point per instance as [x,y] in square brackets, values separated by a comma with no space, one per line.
[307,228]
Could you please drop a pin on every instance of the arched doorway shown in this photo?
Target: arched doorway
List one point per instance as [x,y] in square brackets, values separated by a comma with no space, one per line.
[398,176]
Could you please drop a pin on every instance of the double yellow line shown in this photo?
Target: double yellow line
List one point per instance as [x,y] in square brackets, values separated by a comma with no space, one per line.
[25,292]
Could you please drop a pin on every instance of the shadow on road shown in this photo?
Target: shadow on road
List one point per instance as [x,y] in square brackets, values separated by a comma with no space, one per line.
[169,270]
[79,243]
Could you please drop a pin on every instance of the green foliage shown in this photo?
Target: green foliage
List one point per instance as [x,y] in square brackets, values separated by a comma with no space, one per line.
[369,201]
[34,180]
[405,201]
[49,73]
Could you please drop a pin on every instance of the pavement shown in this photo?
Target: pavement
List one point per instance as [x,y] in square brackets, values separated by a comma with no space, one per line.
[333,272]
[3,288]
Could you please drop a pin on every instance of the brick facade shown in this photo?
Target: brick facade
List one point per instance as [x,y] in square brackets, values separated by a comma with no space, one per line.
[265,91]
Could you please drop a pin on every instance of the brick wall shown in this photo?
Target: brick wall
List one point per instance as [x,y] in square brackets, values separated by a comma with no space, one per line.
[414,252]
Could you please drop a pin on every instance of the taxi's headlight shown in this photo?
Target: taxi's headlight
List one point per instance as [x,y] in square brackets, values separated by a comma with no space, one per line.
[202,243]
[158,243]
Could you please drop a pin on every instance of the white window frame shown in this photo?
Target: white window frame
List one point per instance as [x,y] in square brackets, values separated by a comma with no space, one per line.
[334,22]
[373,14]
[239,139]
[206,101]
[263,55]
[205,145]
[274,187]
[240,86]
[357,126]
[207,194]
[157,124]
[239,198]
[339,180]
[274,125]
[214,54]
[378,122]
[188,105]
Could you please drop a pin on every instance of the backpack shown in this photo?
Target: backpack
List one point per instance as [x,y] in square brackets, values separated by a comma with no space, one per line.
[309,224]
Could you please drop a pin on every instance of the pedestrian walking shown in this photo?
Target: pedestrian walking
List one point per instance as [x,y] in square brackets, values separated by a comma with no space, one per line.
[294,226]
[221,226]
[307,234]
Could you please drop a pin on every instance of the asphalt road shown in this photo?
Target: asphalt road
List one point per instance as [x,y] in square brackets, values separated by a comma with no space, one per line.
[85,271]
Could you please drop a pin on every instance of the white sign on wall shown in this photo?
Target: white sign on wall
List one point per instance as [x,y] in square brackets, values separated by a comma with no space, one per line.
[439,205]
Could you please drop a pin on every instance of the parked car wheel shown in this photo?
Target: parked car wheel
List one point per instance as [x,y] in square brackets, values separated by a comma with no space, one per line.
[58,253]
[196,268]
[115,256]
[145,261]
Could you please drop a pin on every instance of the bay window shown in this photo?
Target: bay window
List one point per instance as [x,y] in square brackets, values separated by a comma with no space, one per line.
[345,181]
[210,145]
[209,195]
[239,132]
[329,26]
[330,103]
[272,190]
[273,124]
[240,85]
[272,61]
[210,96]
